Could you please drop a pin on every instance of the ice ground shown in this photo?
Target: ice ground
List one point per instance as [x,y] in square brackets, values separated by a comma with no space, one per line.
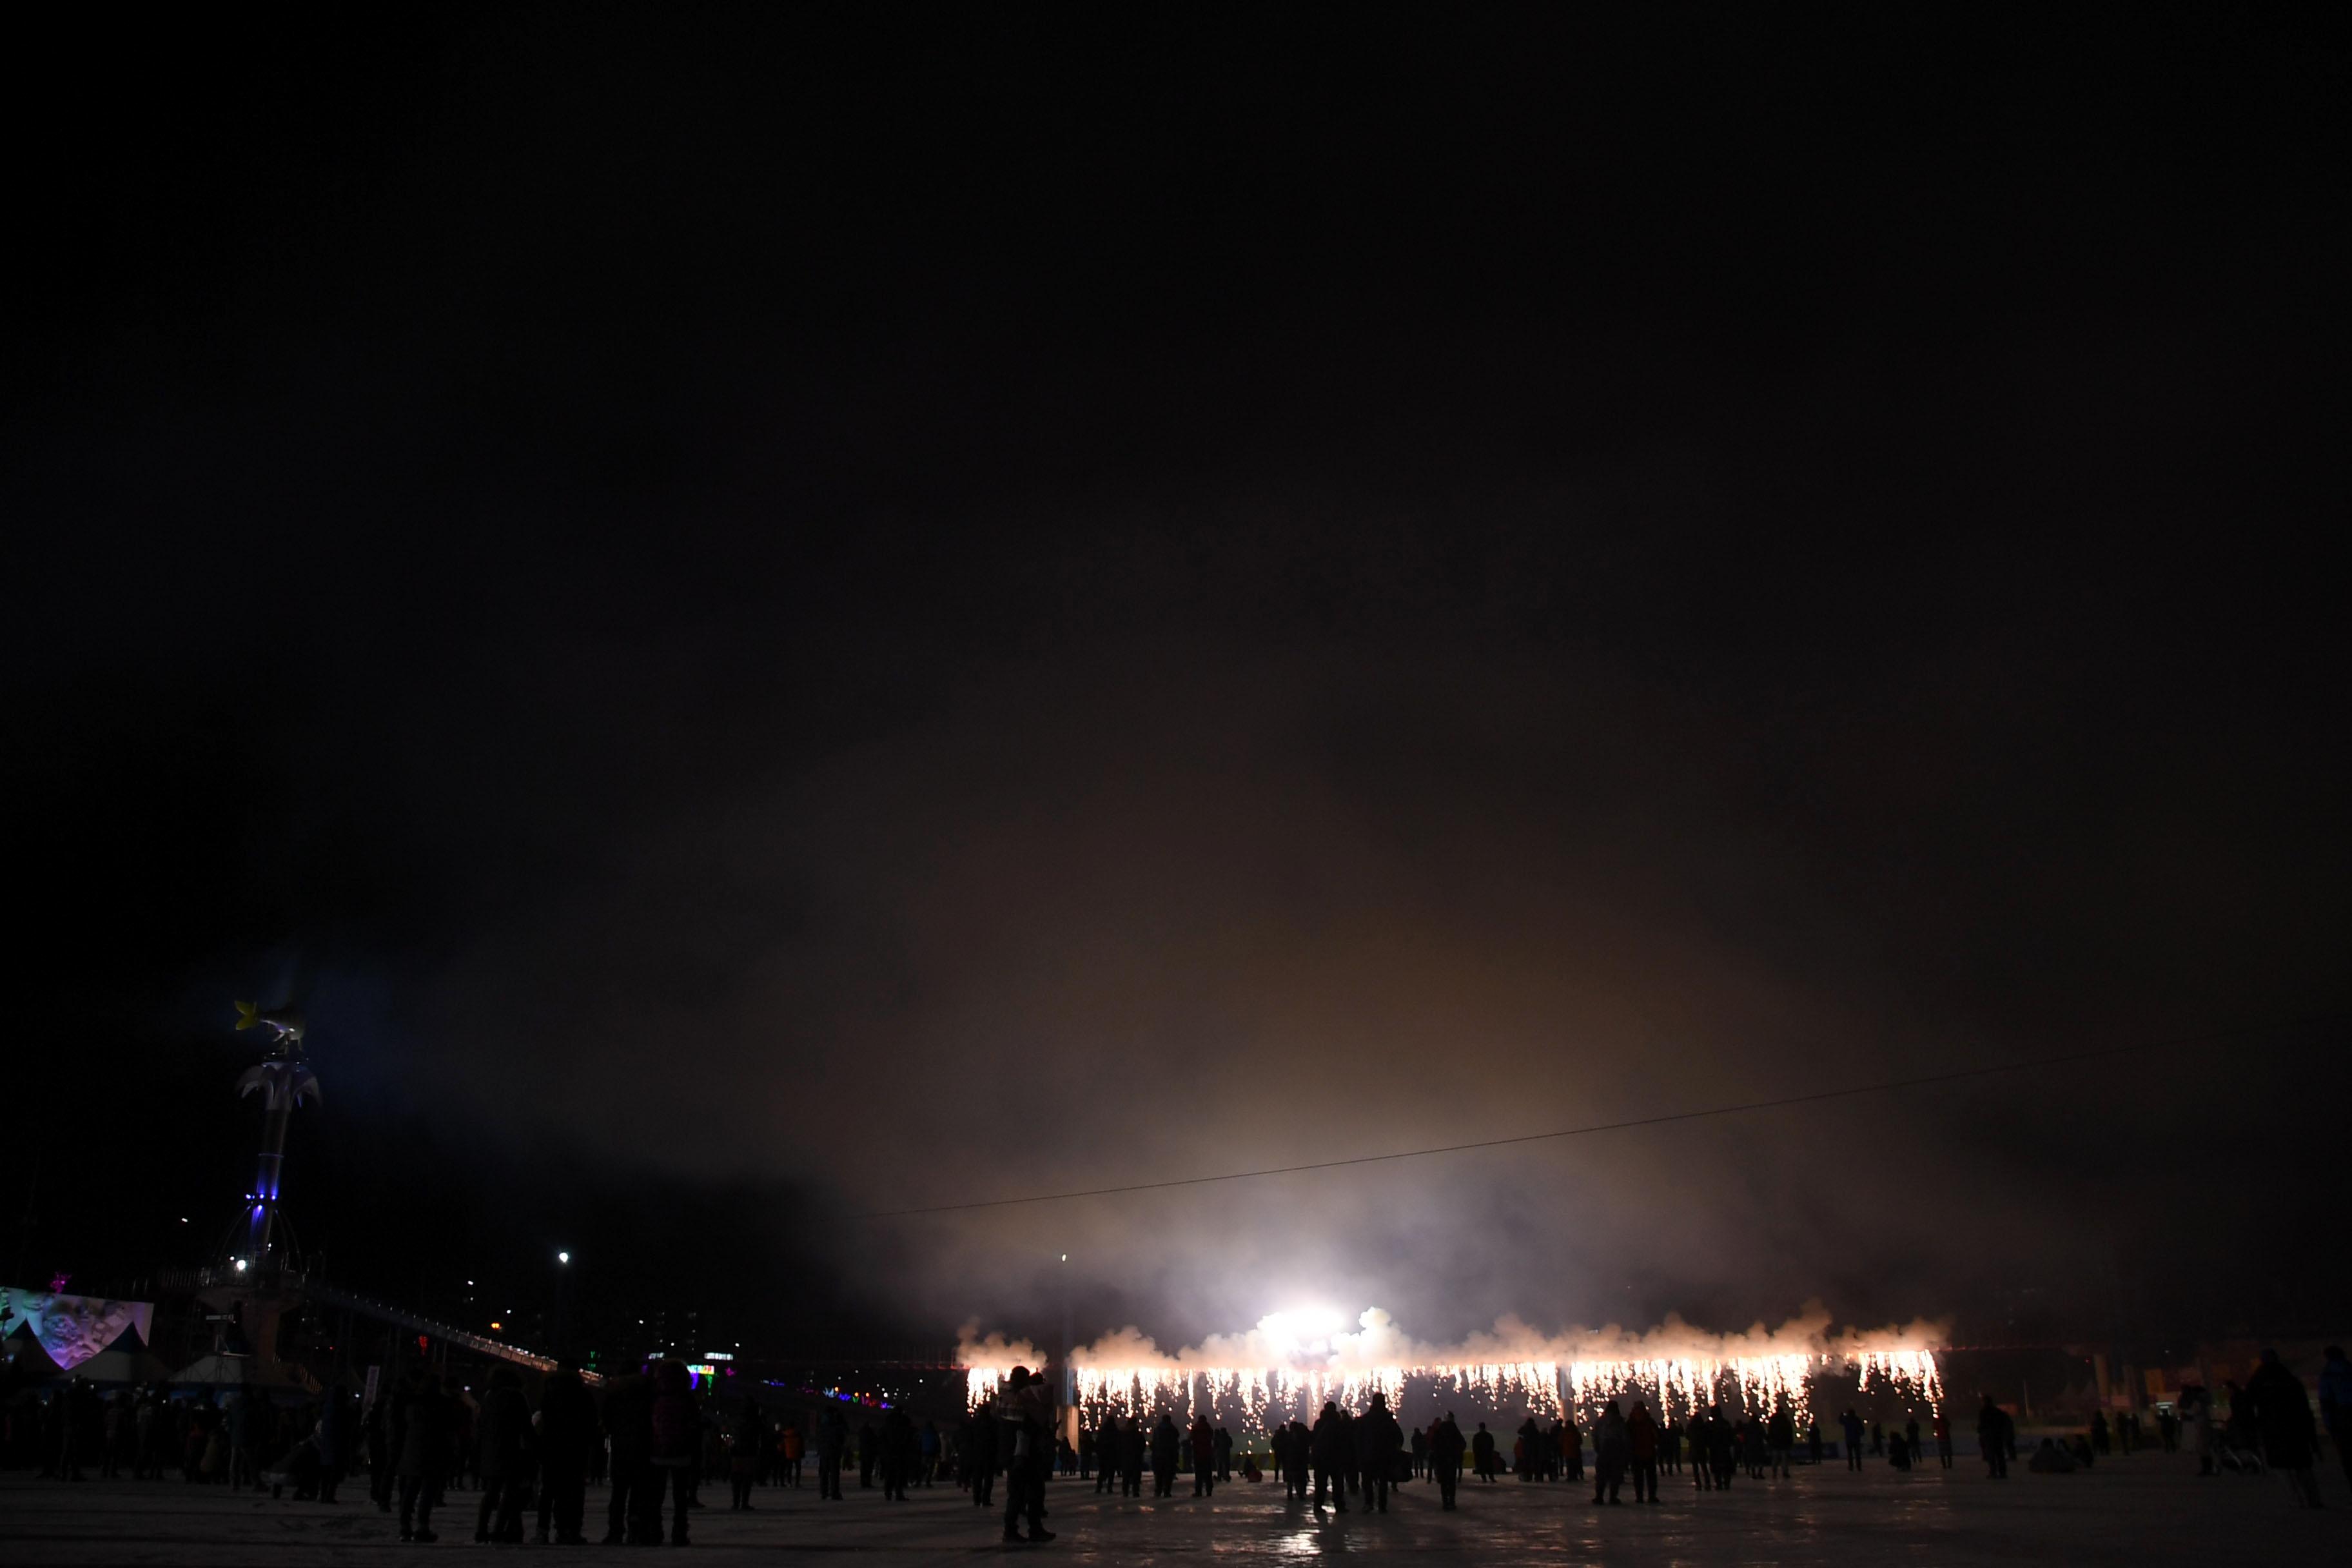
[2149,1509]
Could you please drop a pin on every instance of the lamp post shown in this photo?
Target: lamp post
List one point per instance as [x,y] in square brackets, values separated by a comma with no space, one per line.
[561,1347]
[1069,1374]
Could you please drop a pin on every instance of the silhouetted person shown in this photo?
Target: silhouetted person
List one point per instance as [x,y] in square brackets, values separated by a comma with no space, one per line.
[1446,1446]
[420,1442]
[502,1457]
[338,1425]
[1378,1440]
[1642,1452]
[1028,1410]
[1992,1439]
[1166,1445]
[832,1445]
[1482,1453]
[1131,1445]
[747,1446]
[2283,1419]
[1722,1447]
[1419,1450]
[1332,1450]
[1204,1457]
[1610,1450]
[898,1454]
[677,1445]
[1297,1458]
[1852,1427]
[567,1437]
[628,1423]
[1104,1442]
[2101,1443]
[2334,1406]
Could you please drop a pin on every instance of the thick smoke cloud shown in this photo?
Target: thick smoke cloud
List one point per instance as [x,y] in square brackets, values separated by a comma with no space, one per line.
[896,619]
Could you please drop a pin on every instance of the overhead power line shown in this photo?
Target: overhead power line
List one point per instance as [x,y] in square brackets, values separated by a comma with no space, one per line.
[1742,1108]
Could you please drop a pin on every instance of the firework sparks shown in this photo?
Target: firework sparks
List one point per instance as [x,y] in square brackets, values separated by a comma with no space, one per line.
[1292,1362]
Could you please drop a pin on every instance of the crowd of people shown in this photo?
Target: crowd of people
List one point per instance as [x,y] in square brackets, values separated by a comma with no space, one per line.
[652,1439]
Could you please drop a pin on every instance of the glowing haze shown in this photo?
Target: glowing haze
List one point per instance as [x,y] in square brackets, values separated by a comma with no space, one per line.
[1294,1361]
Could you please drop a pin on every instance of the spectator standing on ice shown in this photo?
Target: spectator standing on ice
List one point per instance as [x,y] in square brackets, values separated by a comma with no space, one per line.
[1333,1453]
[1482,1453]
[2335,1404]
[1445,1450]
[1781,1438]
[1166,1443]
[902,1454]
[1852,1426]
[1204,1457]
[1700,1434]
[833,1444]
[676,1448]
[1992,1439]
[1297,1458]
[1610,1450]
[420,1439]
[503,1459]
[1378,1440]
[2283,1417]
[1642,1452]
[567,1440]
[1131,1445]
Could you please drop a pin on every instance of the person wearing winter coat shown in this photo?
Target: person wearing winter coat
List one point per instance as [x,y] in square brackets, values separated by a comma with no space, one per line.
[567,1441]
[1204,1457]
[1166,1443]
[420,1444]
[833,1444]
[2283,1420]
[1378,1440]
[1993,1439]
[898,1454]
[1026,1411]
[747,1449]
[1329,1447]
[1612,1449]
[503,1459]
[332,1438]
[1445,1450]
[1642,1452]
[677,1448]
[2336,1403]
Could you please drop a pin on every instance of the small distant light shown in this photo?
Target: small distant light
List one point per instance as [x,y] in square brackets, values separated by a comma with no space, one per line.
[495,1324]
[240,1266]
[563,1257]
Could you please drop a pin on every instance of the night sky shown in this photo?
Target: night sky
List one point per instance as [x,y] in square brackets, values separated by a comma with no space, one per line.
[775,617]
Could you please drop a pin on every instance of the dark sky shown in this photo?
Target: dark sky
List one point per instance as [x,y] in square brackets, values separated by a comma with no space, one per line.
[779,614]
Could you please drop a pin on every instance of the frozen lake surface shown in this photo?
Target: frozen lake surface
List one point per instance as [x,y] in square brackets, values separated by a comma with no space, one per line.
[2148,1509]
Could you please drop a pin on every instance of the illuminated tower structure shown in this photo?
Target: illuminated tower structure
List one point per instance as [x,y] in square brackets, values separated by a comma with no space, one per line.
[283,1078]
